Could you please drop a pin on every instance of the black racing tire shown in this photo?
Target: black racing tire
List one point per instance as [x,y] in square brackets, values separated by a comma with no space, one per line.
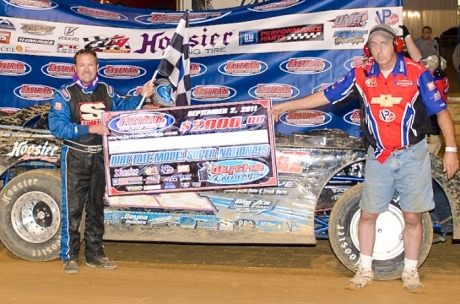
[30,215]
[388,250]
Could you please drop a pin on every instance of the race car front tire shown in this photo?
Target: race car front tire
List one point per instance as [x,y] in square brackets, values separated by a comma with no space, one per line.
[388,249]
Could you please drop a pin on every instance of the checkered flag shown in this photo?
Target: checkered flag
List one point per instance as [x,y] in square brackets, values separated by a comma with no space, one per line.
[175,63]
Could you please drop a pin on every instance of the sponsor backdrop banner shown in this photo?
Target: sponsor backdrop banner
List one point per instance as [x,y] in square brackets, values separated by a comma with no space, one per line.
[276,50]
[190,148]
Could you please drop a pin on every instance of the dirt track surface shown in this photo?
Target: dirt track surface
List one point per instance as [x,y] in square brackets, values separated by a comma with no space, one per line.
[168,273]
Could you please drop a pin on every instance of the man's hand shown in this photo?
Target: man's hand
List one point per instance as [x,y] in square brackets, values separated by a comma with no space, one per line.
[147,89]
[405,31]
[98,129]
[450,163]
[277,110]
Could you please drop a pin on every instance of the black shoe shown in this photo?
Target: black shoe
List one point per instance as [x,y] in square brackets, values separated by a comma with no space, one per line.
[102,262]
[71,266]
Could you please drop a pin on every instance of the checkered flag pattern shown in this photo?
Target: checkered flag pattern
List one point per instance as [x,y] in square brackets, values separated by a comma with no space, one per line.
[175,63]
[102,43]
[301,36]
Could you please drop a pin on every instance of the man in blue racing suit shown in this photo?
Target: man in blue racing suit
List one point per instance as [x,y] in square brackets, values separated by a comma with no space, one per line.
[75,116]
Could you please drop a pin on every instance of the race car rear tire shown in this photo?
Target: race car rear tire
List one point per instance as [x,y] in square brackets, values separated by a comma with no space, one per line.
[30,215]
[388,250]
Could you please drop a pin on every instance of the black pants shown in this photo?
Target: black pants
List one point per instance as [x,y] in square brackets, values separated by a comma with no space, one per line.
[83,186]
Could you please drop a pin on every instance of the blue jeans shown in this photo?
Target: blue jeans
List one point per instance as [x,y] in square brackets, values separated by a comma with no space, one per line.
[408,171]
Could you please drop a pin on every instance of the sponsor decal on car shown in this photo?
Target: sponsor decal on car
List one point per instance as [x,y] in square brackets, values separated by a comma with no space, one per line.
[269,226]
[305,65]
[14,68]
[252,205]
[121,71]
[32,149]
[274,91]
[98,13]
[305,118]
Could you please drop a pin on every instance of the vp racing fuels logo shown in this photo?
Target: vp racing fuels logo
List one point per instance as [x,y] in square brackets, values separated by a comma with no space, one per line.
[386,16]
[274,91]
[212,93]
[141,123]
[276,6]
[14,68]
[98,14]
[58,70]
[34,92]
[306,118]
[305,65]
[32,4]
[121,71]
[242,67]
[232,172]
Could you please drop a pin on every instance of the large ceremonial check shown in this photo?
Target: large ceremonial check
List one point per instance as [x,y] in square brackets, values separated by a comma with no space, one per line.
[190,148]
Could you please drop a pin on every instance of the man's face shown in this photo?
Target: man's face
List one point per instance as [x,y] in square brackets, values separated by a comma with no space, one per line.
[426,33]
[86,68]
[382,50]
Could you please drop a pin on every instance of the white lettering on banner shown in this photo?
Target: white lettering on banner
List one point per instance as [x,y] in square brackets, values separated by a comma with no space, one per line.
[24,148]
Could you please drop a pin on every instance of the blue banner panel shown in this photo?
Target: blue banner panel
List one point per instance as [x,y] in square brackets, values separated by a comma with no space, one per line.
[276,50]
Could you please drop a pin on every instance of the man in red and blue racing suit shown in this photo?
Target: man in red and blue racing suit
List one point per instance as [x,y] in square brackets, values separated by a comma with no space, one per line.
[75,116]
[397,95]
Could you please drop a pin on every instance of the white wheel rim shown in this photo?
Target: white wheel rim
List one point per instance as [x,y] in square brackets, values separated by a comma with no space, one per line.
[388,233]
